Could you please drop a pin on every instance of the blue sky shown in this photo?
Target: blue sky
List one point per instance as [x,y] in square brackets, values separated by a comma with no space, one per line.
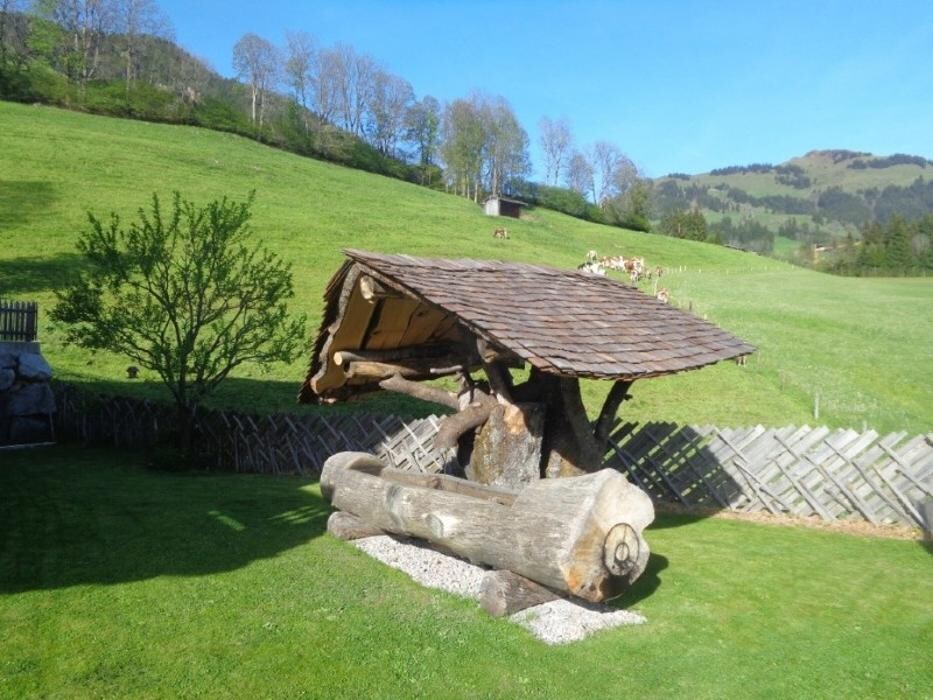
[679,86]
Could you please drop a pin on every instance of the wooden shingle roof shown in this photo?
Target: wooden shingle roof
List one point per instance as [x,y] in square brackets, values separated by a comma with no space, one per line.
[561,321]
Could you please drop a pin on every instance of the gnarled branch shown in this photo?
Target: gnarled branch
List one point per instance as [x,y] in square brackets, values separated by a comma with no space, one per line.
[419,391]
[470,418]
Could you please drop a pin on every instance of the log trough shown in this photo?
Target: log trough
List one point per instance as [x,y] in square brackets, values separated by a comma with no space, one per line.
[581,536]
[518,339]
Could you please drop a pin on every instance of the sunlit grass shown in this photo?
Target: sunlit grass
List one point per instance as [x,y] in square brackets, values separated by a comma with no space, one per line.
[863,345]
[118,581]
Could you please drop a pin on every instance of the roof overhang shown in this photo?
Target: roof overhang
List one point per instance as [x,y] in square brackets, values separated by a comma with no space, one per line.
[426,314]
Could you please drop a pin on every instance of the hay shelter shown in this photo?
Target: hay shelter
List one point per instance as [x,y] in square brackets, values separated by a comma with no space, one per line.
[392,321]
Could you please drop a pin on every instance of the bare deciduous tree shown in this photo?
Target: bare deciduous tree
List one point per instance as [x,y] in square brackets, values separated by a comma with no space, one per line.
[8,28]
[133,20]
[86,23]
[389,101]
[556,142]
[505,146]
[422,124]
[352,75]
[614,172]
[578,175]
[326,79]
[256,60]
[300,55]
[462,147]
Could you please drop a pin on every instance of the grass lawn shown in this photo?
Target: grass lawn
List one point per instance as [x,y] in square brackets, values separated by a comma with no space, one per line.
[117,581]
[863,345]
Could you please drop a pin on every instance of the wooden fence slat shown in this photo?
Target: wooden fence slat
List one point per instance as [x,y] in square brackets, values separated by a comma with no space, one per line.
[801,470]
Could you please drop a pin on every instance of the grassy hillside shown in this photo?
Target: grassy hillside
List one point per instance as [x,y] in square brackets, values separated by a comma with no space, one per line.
[862,344]
[117,581]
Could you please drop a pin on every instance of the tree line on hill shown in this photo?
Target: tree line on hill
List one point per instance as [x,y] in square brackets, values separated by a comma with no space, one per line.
[117,57]
[897,247]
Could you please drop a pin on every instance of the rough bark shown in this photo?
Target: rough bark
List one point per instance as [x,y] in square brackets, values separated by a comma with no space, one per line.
[345,526]
[507,448]
[504,593]
[581,535]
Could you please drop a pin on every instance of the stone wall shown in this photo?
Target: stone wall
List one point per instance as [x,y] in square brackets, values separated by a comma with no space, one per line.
[26,399]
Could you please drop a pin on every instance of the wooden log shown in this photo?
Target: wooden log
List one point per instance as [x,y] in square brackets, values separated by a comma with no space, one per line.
[373,290]
[419,391]
[345,526]
[408,369]
[505,593]
[342,357]
[581,535]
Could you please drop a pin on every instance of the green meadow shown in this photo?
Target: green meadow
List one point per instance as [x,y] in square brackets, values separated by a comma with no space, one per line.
[118,581]
[861,345]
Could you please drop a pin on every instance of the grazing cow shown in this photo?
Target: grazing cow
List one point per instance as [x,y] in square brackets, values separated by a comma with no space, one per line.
[663,295]
[592,264]
[635,267]
[613,262]
[500,233]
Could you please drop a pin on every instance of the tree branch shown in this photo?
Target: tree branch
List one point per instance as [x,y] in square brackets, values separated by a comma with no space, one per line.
[419,391]
[617,394]
[452,427]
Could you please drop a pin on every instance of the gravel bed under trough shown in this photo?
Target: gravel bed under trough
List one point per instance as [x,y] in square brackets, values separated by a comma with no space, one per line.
[557,622]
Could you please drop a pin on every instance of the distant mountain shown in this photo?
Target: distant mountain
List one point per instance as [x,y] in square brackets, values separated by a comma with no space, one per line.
[822,195]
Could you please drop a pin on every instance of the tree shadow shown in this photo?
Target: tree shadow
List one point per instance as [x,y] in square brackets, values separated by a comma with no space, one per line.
[665,520]
[30,274]
[646,584]
[674,466]
[73,517]
[24,201]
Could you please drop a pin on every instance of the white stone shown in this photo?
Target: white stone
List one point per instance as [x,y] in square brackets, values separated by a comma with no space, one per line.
[557,622]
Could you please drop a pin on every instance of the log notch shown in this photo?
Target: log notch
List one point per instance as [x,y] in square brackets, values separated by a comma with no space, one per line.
[582,536]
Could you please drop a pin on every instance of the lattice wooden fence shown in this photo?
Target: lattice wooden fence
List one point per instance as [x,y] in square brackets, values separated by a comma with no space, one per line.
[230,441]
[804,471]
[800,471]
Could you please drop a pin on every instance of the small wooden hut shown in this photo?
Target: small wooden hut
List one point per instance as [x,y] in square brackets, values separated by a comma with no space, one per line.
[502,206]
[392,321]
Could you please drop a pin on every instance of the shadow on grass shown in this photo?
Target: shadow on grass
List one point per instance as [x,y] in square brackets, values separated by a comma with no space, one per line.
[665,520]
[27,275]
[646,584]
[73,517]
[24,201]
